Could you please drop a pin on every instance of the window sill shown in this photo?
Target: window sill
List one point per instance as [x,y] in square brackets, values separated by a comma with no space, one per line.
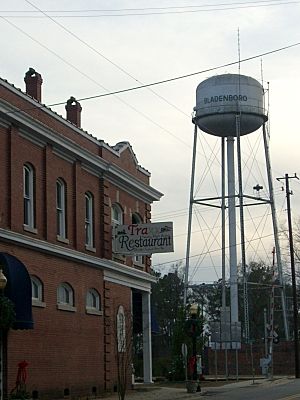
[139,267]
[90,248]
[28,228]
[118,257]
[93,311]
[38,303]
[138,264]
[66,307]
[62,239]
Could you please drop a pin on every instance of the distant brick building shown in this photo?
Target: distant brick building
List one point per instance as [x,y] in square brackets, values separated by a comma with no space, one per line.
[61,191]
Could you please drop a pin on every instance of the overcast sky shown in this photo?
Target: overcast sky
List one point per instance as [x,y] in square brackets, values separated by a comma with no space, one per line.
[85,48]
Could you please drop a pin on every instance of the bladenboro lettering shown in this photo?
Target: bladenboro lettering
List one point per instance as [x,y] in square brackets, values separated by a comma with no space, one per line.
[224,98]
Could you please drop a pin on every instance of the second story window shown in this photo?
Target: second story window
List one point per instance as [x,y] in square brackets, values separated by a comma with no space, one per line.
[89,220]
[61,209]
[116,215]
[116,220]
[29,196]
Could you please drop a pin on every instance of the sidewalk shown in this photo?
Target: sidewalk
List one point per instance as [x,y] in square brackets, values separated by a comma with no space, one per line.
[154,392]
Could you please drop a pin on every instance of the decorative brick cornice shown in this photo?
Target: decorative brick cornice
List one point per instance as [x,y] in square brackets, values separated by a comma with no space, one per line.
[40,133]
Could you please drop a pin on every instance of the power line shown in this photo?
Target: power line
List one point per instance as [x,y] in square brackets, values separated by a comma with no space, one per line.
[146,8]
[183,76]
[210,251]
[111,62]
[91,79]
[120,68]
[184,211]
[224,7]
[123,70]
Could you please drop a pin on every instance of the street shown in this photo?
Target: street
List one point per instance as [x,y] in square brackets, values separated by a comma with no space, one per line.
[282,389]
[278,389]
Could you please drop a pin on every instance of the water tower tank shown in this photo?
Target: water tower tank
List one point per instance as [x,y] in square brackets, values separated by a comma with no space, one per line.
[220,98]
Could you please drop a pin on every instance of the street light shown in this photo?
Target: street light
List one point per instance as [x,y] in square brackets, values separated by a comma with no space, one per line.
[3,282]
[194,310]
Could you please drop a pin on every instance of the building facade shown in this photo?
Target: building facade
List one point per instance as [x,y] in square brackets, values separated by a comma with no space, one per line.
[62,190]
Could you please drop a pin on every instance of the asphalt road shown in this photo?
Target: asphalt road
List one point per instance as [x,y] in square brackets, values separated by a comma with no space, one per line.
[281,389]
[277,389]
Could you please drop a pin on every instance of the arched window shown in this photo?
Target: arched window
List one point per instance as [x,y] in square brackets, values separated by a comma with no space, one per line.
[89,220]
[121,330]
[137,259]
[93,302]
[29,196]
[37,290]
[61,226]
[116,214]
[116,220]
[65,295]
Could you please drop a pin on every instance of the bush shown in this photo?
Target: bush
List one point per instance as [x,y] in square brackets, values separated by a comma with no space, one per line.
[161,366]
[7,313]
[176,372]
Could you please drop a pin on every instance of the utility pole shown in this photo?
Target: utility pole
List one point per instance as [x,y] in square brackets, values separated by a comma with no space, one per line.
[294,287]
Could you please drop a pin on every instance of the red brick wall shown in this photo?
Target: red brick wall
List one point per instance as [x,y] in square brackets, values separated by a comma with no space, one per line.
[5,198]
[114,296]
[126,162]
[65,349]
[48,168]
[68,131]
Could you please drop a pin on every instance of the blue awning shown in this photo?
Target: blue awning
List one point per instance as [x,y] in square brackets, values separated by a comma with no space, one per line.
[18,290]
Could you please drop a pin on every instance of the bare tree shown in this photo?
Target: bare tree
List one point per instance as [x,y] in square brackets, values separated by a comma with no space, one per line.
[284,236]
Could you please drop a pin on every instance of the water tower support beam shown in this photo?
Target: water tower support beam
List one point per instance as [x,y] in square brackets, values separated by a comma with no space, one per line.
[232,231]
[242,228]
[188,244]
[223,207]
[275,232]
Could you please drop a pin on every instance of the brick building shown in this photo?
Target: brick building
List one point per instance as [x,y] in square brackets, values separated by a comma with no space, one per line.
[61,191]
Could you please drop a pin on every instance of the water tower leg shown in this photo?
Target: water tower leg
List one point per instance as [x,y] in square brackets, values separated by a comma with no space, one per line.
[232,231]
[242,229]
[223,224]
[275,232]
[188,244]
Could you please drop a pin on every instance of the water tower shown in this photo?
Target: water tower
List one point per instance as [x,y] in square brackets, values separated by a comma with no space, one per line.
[230,106]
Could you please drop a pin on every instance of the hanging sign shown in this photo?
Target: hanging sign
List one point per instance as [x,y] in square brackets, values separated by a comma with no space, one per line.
[143,238]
